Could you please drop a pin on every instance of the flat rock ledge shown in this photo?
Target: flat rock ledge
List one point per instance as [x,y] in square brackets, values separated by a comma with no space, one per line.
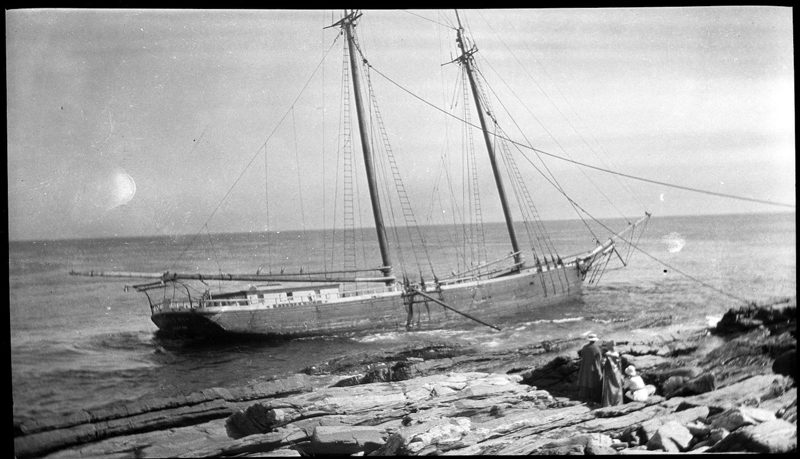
[715,394]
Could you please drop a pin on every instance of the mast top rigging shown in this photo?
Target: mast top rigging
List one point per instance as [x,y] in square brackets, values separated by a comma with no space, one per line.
[467,62]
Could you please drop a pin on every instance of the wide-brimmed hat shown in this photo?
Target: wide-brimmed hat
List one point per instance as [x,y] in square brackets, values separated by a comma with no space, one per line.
[630,371]
[592,337]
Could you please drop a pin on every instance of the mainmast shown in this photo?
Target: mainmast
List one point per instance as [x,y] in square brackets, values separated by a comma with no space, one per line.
[466,59]
[348,23]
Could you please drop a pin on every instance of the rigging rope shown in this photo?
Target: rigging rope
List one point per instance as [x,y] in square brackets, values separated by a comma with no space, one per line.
[299,184]
[621,174]
[550,134]
[428,19]
[418,242]
[267,228]
[687,275]
[503,144]
[476,228]
[405,203]
[436,197]
[339,160]
[348,208]
[623,184]
[380,164]
[263,145]
[214,252]
[517,179]
[323,156]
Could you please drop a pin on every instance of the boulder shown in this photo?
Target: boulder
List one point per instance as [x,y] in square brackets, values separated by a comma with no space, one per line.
[786,364]
[771,437]
[345,440]
[716,435]
[671,437]
[776,316]
[536,395]
[255,419]
[648,429]
[734,418]
[673,386]
[682,385]
[597,449]
[380,373]
[712,437]
[699,429]
[554,373]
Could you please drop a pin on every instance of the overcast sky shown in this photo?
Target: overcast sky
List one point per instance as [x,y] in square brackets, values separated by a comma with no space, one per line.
[139,122]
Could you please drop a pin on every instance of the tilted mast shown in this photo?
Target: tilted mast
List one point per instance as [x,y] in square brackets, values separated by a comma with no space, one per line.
[348,23]
[466,59]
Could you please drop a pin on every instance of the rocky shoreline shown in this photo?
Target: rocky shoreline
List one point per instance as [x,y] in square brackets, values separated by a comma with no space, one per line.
[727,389]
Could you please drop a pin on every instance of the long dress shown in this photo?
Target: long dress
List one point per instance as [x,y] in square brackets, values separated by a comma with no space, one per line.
[590,374]
[612,380]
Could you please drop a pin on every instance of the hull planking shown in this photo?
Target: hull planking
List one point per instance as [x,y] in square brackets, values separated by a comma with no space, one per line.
[520,296]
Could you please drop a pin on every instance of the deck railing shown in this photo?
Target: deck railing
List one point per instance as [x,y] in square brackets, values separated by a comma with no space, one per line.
[184,304]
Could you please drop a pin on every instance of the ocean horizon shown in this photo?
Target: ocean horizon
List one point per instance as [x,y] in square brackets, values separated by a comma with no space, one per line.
[496,222]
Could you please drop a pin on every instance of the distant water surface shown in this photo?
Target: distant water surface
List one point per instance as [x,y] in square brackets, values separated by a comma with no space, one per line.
[81,342]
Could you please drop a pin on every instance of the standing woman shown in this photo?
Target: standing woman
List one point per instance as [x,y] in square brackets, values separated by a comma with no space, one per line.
[590,373]
[612,377]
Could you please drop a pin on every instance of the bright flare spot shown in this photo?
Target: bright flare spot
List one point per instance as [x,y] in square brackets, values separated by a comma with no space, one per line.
[123,189]
[674,242]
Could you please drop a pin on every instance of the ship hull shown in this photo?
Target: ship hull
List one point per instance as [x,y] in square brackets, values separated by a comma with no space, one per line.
[520,297]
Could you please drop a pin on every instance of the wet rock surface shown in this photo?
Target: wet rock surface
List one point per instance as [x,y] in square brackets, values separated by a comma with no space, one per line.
[717,391]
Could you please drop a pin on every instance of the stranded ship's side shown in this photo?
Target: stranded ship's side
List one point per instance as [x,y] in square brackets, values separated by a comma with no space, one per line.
[315,310]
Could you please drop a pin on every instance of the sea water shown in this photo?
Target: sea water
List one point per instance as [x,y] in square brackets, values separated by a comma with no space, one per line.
[79,342]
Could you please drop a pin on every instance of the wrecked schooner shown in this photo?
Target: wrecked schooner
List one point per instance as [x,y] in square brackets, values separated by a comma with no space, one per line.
[321,302]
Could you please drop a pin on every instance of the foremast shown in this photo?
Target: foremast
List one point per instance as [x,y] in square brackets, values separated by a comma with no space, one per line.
[348,23]
[466,60]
